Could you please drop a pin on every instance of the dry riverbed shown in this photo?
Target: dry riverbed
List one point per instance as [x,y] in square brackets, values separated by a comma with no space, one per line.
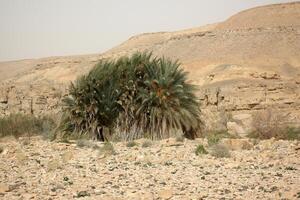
[39,169]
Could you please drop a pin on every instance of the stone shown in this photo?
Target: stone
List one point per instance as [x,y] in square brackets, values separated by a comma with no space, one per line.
[53,165]
[82,194]
[165,194]
[67,156]
[241,124]
[4,188]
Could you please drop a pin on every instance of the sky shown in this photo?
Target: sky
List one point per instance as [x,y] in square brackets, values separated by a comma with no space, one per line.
[43,28]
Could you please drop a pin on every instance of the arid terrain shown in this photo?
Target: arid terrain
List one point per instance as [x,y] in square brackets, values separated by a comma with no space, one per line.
[166,169]
[247,70]
[245,64]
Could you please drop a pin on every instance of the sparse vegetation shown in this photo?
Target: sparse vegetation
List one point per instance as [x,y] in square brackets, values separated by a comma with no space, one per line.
[25,125]
[180,138]
[107,149]
[213,139]
[140,96]
[83,143]
[65,140]
[291,133]
[131,144]
[147,143]
[271,124]
[219,151]
[86,143]
[200,150]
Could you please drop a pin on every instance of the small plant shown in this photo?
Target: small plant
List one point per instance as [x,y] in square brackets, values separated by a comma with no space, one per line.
[291,133]
[131,144]
[48,130]
[213,139]
[107,149]
[255,141]
[84,143]
[147,144]
[180,138]
[220,151]
[200,150]
[1,149]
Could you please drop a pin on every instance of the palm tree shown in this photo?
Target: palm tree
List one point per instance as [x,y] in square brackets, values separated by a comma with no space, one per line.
[140,95]
[166,102]
[92,104]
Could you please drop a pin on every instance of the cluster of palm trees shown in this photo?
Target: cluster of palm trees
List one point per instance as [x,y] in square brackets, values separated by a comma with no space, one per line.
[136,96]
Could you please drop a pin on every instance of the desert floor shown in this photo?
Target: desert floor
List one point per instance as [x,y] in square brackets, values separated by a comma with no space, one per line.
[39,169]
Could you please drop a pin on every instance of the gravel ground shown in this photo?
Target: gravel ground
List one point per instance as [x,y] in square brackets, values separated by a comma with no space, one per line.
[167,169]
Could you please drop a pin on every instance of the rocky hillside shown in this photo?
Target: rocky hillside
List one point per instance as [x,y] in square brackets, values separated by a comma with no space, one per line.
[248,63]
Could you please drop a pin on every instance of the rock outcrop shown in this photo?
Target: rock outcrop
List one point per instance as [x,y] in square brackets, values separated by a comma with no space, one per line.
[248,63]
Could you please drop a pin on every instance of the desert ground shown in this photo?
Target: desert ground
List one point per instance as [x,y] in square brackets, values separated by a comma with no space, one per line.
[167,169]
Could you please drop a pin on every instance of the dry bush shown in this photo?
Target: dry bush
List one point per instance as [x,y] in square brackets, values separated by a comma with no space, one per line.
[214,137]
[107,149]
[268,123]
[180,138]
[131,144]
[290,133]
[26,125]
[200,150]
[220,151]
[147,143]
[84,143]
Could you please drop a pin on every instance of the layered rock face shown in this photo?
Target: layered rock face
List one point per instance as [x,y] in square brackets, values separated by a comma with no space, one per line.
[249,63]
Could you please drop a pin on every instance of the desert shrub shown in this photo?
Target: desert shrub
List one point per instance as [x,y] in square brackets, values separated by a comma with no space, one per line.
[139,96]
[131,144]
[290,133]
[271,123]
[214,137]
[83,143]
[25,125]
[147,143]
[107,149]
[266,124]
[200,150]
[180,138]
[219,151]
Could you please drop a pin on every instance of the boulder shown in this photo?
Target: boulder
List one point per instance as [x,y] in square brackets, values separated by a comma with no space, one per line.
[241,125]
